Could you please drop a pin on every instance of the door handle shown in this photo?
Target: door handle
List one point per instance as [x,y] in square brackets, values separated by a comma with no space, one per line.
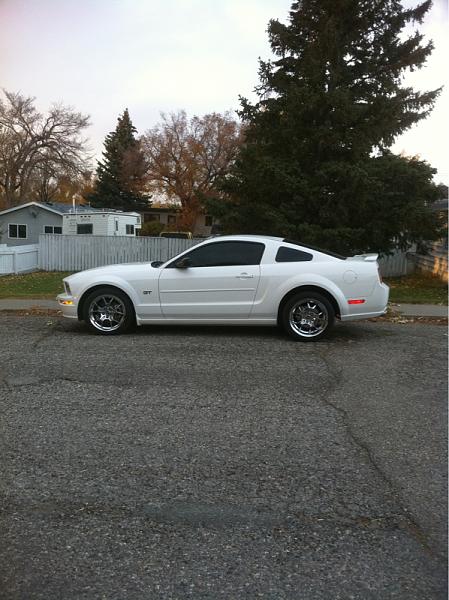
[244,276]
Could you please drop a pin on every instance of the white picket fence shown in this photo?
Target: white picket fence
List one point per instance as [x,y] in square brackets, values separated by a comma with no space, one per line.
[396,264]
[18,259]
[79,252]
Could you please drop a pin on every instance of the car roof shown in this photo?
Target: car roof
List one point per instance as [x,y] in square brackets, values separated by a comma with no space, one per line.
[246,236]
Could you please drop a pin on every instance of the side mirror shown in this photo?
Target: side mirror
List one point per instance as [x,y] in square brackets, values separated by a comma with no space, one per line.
[183,263]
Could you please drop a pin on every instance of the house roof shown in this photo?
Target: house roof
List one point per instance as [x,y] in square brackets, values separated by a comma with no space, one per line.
[63,209]
[68,208]
[161,209]
[55,207]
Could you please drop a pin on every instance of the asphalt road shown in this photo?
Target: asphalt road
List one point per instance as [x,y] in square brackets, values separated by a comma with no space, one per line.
[227,463]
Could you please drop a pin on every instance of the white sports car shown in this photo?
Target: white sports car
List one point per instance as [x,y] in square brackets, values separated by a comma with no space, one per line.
[231,280]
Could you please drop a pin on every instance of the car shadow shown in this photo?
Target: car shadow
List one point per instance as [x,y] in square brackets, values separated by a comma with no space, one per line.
[340,333]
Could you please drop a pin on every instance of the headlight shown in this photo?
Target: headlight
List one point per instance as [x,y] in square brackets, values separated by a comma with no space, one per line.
[67,288]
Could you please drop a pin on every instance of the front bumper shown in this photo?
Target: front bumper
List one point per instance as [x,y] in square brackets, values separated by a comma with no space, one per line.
[68,306]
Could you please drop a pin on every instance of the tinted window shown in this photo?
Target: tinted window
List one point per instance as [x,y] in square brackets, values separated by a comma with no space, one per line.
[285,254]
[226,254]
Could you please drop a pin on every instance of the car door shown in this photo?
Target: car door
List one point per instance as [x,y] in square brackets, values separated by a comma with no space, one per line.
[221,282]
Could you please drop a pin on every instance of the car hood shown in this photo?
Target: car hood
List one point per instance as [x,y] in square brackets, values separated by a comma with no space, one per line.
[125,271]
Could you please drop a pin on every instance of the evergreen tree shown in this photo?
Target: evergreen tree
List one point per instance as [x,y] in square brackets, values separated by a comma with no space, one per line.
[316,164]
[120,174]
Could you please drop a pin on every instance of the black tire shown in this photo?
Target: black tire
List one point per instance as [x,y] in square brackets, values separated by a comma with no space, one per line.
[108,311]
[317,316]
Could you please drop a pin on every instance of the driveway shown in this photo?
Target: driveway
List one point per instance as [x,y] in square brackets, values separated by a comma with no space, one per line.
[222,463]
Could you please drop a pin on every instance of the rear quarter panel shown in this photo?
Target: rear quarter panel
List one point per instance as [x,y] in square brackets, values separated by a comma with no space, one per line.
[342,279]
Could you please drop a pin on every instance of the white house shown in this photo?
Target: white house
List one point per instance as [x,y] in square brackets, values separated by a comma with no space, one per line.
[101,222]
[22,225]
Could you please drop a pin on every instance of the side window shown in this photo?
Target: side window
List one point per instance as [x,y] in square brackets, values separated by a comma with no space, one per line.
[226,254]
[52,229]
[17,231]
[83,228]
[285,254]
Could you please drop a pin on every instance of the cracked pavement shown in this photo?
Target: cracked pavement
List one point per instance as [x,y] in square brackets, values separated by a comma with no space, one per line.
[222,463]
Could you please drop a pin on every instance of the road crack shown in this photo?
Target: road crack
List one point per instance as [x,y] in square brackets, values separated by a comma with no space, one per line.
[195,512]
[409,522]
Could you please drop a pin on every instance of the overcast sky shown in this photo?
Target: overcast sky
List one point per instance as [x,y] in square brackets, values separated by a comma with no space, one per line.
[101,56]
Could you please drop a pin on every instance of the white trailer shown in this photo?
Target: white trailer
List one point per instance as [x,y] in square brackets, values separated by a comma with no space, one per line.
[101,222]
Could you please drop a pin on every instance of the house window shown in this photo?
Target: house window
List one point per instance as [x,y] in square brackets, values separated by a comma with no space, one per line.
[208,221]
[52,229]
[84,228]
[130,229]
[147,217]
[17,231]
[171,219]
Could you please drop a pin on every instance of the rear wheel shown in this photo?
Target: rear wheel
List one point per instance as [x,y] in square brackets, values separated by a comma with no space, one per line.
[307,316]
[108,311]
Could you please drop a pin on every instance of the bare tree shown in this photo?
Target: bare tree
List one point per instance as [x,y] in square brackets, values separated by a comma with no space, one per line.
[186,157]
[50,183]
[34,146]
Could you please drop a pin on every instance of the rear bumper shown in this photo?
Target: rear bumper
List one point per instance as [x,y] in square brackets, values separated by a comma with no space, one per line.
[375,306]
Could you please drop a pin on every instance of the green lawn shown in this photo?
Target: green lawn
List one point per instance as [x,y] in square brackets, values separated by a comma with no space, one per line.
[417,288]
[32,285]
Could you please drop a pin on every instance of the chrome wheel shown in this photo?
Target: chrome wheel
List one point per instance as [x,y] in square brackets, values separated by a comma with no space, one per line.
[107,312]
[308,317]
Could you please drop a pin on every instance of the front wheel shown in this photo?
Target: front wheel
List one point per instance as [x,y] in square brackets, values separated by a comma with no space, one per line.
[307,316]
[108,311]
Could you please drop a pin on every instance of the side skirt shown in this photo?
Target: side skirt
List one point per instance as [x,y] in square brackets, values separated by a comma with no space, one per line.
[268,322]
